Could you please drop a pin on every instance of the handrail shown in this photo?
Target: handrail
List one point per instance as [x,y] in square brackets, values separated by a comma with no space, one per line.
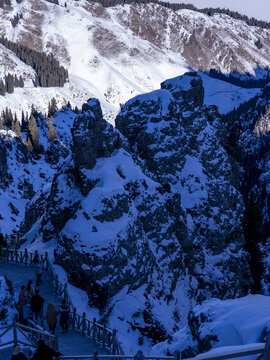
[96,357]
[29,334]
[90,328]
[98,332]
[259,349]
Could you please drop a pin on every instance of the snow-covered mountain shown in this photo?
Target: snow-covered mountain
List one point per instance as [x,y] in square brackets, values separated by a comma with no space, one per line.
[139,212]
[171,206]
[118,52]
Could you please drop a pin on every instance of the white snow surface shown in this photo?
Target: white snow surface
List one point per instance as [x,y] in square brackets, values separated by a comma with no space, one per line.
[225,95]
[235,322]
[108,57]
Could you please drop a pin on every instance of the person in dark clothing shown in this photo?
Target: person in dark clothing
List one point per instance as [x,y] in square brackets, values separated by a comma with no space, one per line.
[2,241]
[30,291]
[36,258]
[37,306]
[18,354]
[38,261]
[44,352]
[64,315]
[22,305]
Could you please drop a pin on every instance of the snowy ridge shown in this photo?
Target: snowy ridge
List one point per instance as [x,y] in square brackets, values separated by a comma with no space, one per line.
[116,53]
[129,212]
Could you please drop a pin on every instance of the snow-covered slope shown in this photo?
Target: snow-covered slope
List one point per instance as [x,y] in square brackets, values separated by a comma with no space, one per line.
[225,95]
[23,173]
[138,221]
[218,323]
[118,52]
[7,302]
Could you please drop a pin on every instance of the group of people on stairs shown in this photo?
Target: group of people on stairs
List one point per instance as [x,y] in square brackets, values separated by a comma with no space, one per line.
[52,313]
[30,305]
[43,352]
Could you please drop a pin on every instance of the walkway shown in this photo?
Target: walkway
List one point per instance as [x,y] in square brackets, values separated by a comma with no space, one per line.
[71,343]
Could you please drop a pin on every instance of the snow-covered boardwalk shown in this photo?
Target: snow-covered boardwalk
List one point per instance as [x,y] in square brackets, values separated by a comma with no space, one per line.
[71,343]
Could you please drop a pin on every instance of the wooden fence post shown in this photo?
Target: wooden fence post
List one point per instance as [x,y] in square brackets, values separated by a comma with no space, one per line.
[94,327]
[95,355]
[47,260]
[104,336]
[15,332]
[65,293]
[139,355]
[25,256]
[177,355]
[36,256]
[266,353]
[114,344]
[74,318]
[83,322]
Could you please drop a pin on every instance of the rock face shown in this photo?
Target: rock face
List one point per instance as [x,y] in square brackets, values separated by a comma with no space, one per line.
[184,150]
[22,174]
[3,163]
[251,141]
[152,214]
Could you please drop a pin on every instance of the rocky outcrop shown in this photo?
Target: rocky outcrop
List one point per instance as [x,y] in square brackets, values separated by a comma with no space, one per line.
[184,150]
[149,210]
[250,141]
[93,138]
[22,174]
[3,163]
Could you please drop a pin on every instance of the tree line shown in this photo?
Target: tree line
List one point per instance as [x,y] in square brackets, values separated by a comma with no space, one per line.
[49,73]
[16,19]
[9,83]
[179,6]
[233,78]
[29,124]
[174,6]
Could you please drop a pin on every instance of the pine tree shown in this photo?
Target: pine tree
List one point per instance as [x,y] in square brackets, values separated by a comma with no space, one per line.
[16,127]
[52,107]
[51,129]
[23,123]
[32,133]
[2,88]
[21,82]
[10,83]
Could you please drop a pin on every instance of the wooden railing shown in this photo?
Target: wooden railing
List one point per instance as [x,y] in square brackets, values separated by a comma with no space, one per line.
[261,349]
[24,257]
[29,335]
[96,356]
[90,328]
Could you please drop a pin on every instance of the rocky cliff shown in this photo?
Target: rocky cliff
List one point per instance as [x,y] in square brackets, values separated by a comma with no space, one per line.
[149,211]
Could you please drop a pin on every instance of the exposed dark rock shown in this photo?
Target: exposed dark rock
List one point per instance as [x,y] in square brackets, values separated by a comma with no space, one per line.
[3,163]
[92,136]
[55,151]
